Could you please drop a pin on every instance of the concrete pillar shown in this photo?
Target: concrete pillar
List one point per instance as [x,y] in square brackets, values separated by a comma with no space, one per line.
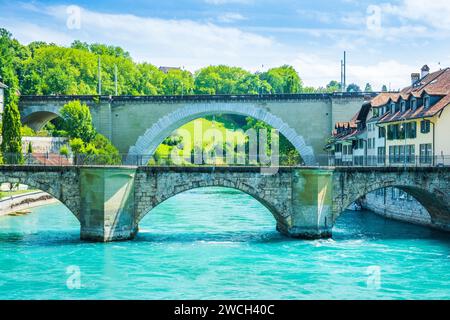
[107,204]
[312,216]
[102,118]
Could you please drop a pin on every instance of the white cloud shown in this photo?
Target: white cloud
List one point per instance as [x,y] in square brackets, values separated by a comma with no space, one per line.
[197,44]
[317,71]
[159,41]
[320,16]
[229,17]
[433,13]
[27,32]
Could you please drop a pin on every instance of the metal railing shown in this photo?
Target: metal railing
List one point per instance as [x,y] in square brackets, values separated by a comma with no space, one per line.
[390,161]
[54,159]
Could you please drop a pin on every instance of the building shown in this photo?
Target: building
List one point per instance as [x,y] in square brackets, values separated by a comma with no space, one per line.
[348,144]
[167,69]
[376,135]
[417,121]
[407,128]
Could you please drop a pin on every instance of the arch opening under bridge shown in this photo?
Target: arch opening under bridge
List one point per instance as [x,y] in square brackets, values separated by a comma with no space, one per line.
[146,145]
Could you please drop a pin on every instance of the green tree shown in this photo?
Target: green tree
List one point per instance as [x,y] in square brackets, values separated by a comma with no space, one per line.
[368,88]
[384,88]
[77,121]
[252,84]
[353,88]
[149,79]
[177,82]
[10,53]
[11,135]
[283,79]
[218,79]
[333,86]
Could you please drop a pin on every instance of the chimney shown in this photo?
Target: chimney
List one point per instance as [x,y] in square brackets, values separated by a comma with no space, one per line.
[415,77]
[425,71]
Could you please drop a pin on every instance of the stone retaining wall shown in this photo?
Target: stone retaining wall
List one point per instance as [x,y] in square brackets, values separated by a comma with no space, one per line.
[405,209]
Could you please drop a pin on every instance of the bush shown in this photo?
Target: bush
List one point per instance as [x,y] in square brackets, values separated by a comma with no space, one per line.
[64,151]
[27,131]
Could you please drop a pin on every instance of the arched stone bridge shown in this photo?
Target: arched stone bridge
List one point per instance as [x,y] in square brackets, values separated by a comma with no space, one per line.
[137,125]
[109,202]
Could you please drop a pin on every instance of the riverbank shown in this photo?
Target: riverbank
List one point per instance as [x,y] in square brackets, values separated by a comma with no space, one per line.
[26,201]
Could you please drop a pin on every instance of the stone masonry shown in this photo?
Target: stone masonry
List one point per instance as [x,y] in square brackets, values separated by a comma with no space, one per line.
[137,125]
[109,202]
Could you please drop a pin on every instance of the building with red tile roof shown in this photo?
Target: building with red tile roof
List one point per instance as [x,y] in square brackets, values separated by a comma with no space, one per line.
[409,127]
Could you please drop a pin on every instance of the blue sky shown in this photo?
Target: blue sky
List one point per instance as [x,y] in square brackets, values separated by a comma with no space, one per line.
[385,41]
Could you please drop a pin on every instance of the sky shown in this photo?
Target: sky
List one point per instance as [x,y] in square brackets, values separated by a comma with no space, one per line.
[385,41]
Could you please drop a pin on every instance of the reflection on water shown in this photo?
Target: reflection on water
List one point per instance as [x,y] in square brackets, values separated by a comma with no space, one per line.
[202,244]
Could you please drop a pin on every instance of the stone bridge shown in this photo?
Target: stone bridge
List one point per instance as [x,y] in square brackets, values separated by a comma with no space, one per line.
[109,202]
[137,125]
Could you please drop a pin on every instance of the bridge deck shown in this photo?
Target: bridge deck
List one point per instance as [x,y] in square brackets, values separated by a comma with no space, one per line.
[255,169]
[190,98]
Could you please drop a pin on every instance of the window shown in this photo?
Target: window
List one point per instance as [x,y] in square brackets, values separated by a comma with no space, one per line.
[394,132]
[381,155]
[338,147]
[381,132]
[414,104]
[425,153]
[425,126]
[375,112]
[401,154]
[426,102]
[410,153]
[411,130]
[403,106]
[392,107]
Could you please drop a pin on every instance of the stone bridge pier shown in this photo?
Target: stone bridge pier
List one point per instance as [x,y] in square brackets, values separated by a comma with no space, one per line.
[109,202]
[114,200]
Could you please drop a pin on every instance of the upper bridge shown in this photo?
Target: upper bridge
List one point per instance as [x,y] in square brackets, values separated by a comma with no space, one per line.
[109,202]
[137,125]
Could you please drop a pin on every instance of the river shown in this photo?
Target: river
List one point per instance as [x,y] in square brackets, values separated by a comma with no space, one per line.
[217,243]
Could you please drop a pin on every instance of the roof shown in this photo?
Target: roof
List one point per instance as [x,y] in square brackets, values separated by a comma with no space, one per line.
[382,99]
[434,84]
[167,69]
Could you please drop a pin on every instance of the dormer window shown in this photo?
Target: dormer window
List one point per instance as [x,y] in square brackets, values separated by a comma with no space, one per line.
[403,106]
[414,104]
[392,108]
[426,101]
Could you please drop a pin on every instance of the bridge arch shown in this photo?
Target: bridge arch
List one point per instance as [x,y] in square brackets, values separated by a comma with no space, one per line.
[434,200]
[154,136]
[279,209]
[50,186]
[36,117]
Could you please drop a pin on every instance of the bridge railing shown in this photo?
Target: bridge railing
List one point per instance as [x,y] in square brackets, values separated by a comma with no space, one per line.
[390,161]
[54,159]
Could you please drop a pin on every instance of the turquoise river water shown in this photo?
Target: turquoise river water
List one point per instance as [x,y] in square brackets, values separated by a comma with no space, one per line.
[217,243]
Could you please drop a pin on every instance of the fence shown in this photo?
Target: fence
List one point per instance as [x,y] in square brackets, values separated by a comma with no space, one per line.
[54,159]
